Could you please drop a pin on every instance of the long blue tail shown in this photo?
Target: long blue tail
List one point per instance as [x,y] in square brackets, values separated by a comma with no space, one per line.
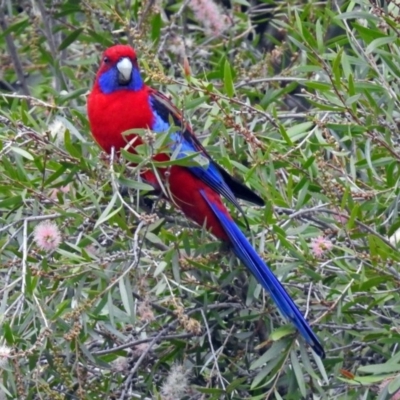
[249,257]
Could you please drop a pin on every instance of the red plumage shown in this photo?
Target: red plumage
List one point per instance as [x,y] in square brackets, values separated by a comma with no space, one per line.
[111,114]
[186,190]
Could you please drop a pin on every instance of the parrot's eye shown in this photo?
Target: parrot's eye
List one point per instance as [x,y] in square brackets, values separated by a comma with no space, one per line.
[106,60]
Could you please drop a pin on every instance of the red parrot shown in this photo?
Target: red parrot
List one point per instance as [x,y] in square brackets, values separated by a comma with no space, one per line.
[120,101]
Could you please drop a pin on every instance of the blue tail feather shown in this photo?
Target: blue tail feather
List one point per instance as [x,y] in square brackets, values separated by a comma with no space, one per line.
[246,253]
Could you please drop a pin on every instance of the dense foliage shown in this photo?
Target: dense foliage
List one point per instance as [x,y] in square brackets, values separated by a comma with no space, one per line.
[107,293]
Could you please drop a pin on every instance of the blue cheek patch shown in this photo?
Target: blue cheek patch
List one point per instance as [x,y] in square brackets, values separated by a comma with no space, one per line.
[108,81]
[136,82]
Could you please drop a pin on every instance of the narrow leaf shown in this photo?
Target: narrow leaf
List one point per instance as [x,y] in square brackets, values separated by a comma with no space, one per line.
[228,82]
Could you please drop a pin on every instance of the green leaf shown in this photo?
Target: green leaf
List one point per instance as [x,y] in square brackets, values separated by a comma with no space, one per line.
[274,352]
[108,213]
[10,202]
[377,369]
[235,384]
[394,385]
[156,24]
[298,131]
[378,43]
[137,185]
[370,283]
[71,147]
[132,157]
[72,129]
[320,36]
[126,297]
[22,152]
[15,27]
[318,85]
[337,68]
[354,15]
[190,160]
[367,33]
[298,373]
[281,332]
[264,373]
[74,94]
[70,39]
[228,81]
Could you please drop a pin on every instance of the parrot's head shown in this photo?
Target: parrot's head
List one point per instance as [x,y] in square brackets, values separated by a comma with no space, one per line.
[119,70]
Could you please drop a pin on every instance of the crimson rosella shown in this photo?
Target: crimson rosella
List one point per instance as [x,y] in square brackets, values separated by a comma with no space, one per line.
[120,101]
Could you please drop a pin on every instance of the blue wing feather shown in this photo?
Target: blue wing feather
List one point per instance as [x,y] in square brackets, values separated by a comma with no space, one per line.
[214,176]
[249,257]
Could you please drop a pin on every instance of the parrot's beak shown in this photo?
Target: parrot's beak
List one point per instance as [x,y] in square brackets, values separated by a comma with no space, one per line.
[124,67]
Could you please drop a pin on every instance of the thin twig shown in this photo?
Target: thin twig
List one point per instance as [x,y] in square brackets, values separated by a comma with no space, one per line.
[145,340]
[115,185]
[58,75]
[340,297]
[24,256]
[148,6]
[210,341]
[137,364]
[33,100]
[14,54]
[270,79]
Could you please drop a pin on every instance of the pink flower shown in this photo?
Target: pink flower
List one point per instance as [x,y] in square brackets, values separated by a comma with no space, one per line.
[177,46]
[120,364]
[62,189]
[208,13]
[5,355]
[139,349]
[340,217]
[176,384]
[320,245]
[47,236]
[145,312]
